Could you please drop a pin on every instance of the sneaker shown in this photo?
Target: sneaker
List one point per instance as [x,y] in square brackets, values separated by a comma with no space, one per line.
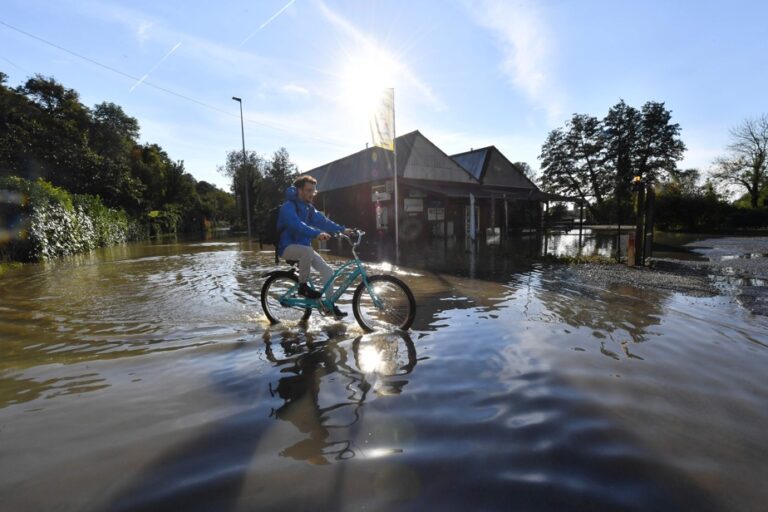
[306,291]
[338,313]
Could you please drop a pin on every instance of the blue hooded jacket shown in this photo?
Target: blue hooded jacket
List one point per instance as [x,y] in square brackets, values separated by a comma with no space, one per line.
[300,223]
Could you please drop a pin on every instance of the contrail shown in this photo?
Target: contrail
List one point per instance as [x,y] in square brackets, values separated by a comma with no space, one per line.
[14,64]
[155,67]
[278,13]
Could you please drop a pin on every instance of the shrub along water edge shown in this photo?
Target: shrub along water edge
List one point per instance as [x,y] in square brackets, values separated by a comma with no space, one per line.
[46,222]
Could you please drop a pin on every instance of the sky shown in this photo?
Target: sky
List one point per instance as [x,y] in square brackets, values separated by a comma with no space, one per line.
[467,74]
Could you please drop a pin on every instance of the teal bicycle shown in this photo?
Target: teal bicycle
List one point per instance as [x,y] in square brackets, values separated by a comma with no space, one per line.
[379,302]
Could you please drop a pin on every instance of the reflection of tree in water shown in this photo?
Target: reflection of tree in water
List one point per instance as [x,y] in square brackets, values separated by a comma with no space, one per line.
[379,362]
[610,313]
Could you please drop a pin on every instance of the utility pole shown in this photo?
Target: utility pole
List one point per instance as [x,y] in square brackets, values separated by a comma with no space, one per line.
[639,188]
[246,169]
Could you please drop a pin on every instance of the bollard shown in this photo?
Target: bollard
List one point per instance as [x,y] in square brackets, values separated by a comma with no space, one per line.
[631,250]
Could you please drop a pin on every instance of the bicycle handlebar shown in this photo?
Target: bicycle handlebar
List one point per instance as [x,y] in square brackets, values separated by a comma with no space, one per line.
[358,232]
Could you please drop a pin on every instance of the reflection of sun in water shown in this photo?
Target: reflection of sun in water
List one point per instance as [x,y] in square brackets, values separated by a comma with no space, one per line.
[370,359]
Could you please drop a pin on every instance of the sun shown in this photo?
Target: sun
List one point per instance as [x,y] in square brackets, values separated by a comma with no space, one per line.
[365,76]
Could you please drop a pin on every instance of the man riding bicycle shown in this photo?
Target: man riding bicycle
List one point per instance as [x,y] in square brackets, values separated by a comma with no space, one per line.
[298,224]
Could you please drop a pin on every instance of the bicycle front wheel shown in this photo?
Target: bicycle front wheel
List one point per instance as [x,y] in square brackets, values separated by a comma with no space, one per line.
[393,308]
[275,288]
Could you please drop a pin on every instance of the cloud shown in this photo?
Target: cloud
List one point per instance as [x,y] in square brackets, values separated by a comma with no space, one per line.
[142,31]
[295,89]
[527,48]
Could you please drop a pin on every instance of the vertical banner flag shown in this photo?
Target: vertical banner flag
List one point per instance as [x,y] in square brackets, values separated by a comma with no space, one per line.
[382,120]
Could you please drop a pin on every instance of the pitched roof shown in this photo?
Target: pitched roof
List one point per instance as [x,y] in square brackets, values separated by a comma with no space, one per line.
[417,158]
[489,166]
[473,161]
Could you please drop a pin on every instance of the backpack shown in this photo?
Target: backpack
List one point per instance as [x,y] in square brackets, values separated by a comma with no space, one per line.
[269,232]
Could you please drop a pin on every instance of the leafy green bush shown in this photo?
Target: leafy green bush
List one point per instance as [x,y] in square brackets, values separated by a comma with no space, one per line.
[163,222]
[50,222]
[678,211]
[750,218]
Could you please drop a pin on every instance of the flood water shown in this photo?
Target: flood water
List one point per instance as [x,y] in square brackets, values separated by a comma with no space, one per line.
[145,377]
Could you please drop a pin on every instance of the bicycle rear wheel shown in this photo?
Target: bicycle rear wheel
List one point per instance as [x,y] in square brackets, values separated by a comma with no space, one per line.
[396,308]
[276,287]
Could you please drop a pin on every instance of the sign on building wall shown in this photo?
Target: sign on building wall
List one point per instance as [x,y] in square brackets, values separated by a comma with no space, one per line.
[381,191]
[380,196]
[413,205]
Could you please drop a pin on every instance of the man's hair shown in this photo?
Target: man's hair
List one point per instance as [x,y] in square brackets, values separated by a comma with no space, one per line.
[303,180]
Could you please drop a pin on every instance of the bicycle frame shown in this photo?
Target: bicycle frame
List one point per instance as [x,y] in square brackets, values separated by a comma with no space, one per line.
[290,298]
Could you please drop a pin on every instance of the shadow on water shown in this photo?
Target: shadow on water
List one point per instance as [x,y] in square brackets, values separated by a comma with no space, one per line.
[557,451]
[547,448]
[208,471]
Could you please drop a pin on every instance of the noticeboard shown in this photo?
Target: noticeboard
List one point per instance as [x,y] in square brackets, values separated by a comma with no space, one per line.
[413,205]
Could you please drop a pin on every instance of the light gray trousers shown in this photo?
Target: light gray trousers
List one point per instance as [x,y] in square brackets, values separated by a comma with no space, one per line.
[308,258]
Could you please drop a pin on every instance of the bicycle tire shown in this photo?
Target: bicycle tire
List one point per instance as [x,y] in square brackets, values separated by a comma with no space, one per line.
[398,316]
[271,306]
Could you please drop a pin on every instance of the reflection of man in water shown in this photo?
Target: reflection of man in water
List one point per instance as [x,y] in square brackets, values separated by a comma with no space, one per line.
[302,408]
[301,389]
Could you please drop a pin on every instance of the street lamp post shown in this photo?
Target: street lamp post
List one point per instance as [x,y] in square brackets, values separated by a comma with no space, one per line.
[638,186]
[247,181]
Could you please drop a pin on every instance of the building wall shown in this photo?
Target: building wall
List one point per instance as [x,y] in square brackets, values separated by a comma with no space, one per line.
[350,206]
[355,207]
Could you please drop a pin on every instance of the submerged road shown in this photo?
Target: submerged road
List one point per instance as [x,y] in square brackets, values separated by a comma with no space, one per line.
[145,377]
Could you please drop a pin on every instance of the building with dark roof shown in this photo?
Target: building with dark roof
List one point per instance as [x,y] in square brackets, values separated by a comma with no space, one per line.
[435,191]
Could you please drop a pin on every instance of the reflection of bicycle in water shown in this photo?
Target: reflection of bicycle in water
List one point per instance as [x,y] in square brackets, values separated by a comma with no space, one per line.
[379,363]
[379,301]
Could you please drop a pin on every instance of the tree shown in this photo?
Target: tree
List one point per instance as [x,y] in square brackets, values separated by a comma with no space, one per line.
[658,142]
[280,175]
[597,159]
[745,165]
[250,175]
[573,162]
[149,164]
[215,204]
[620,128]
[56,125]
[16,131]
[112,137]
[526,170]
[685,182]
[46,132]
